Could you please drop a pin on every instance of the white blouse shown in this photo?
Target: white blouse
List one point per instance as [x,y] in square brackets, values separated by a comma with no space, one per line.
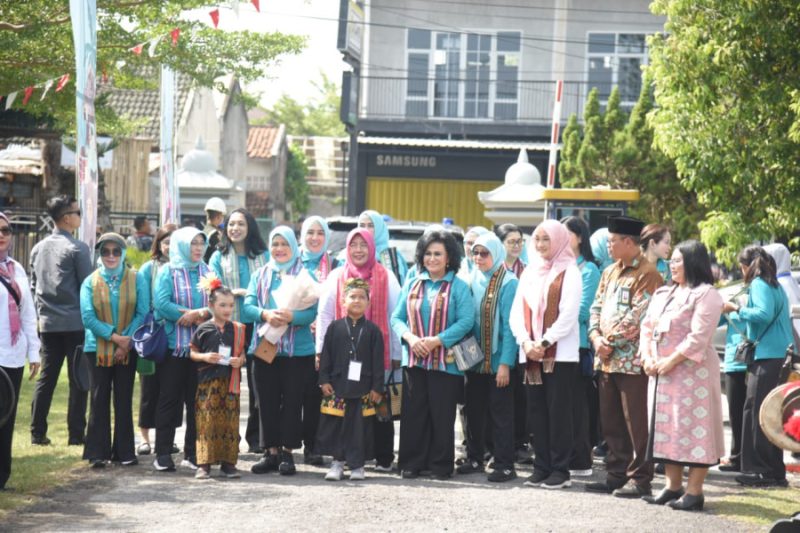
[565,331]
[28,340]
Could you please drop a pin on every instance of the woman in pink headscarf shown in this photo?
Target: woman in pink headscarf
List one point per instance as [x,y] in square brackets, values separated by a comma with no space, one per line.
[544,320]
[384,290]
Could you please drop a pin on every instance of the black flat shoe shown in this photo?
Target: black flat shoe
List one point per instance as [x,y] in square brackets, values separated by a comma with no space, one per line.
[730,467]
[664,497]
[688,502]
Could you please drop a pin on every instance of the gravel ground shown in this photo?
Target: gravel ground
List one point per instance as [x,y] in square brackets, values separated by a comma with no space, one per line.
[139,499]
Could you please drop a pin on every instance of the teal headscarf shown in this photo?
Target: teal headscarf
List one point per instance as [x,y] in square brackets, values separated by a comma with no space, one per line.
[478,231]
[381,233]
[599,242]
[287,233]
[114,273]
[308,255]
[480,280]
[180,247]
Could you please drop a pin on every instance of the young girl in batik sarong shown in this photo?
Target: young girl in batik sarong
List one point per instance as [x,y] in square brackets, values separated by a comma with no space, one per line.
[218,348]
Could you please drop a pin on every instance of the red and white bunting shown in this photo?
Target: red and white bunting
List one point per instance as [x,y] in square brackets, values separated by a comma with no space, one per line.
[255,3]
[138,49]
[62,82]
[10,100]
[214,14]
[551,166]
[28,94]
[175,34]
[151,50]
[47,85]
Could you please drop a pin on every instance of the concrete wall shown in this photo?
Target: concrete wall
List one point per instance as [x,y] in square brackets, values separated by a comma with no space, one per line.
[233,144]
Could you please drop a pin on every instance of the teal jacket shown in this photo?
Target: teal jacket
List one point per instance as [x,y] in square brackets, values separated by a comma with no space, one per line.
[506,353]
[590,275]
[663,268]
[165,305]
[764,303]
[732,340]
[215,264]
[303,339]
[146,279]
[460,313]
[97,328]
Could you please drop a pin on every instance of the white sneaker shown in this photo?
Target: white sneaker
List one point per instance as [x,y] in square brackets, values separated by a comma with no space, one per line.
[188,464]
[357,474]
[336,473]
[380,468]
[581,473]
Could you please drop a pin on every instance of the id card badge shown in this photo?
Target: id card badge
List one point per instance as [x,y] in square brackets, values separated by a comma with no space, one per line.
[624,296]
[225,354]
[354,371]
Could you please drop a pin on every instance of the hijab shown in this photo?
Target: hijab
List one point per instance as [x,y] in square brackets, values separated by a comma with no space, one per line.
[180,248]
[7,272]
[480,279]
[541,273]
[306,254]
[381,234]
[113,274]
[287,233]
[783,260]
[599,242]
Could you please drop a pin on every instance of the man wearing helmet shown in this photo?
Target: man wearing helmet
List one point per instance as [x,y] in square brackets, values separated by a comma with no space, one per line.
[215,214]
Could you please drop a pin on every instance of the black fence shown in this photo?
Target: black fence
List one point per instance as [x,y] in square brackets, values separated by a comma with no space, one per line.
[31,226]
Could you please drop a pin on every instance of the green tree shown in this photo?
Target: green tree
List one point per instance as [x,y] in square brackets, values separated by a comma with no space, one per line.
[317,117]
[727,77]
[36,45]
[297,189]
[615,149]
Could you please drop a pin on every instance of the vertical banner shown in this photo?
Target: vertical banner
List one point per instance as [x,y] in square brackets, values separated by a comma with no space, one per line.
[551,166]
[170,195]
[83,14]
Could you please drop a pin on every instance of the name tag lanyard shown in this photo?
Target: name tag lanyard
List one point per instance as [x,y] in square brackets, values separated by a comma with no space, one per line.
[354,369]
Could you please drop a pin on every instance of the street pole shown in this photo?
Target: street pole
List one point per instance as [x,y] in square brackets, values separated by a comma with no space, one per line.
[344,177]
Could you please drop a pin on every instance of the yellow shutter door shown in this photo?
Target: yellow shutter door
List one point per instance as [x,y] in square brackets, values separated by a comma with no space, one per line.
[429,200]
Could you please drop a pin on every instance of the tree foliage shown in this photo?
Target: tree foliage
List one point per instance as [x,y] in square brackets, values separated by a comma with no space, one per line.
[727,77]
[297,189]
[317,117]
[36,45]
[616,149]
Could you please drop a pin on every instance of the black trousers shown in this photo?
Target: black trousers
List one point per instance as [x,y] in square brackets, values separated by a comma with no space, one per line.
[178,382]
[352,447]
[427,423]
[581,423]
[116,381]
[312,397]
[735,393]
[759,455]
[522,430]
[148,400]
[251,432]
[56,347]
[383,439]
[7,429]
[486,400]
[280,388]
[551,409]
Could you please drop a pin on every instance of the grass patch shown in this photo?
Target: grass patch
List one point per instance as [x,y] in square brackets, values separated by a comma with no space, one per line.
[759,506]
[37,469]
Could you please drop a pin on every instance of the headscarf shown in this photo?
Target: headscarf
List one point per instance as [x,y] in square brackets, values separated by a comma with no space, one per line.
[541,272]
[783,260]
[381,234]
[478,231]
[599,242]
[115,274]
[480,281]
[180,248]
[307,254]
[7,271]
[287,233]
[378,278]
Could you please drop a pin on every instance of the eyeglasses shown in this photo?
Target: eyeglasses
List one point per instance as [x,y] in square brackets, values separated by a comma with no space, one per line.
[6,231]
[483,254]
[514,242]
[105,252]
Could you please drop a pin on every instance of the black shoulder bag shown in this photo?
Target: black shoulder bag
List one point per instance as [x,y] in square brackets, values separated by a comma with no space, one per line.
[746,350]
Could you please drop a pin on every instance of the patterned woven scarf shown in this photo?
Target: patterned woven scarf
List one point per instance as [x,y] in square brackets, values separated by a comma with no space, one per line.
[15,323]
[126,308]
[230,272]
[436,323]
[323,268]
[490,316]
[182,293]
[534,369]
[286,343]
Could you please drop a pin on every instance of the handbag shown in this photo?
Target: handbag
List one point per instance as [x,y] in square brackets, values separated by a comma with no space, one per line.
[790,371]
[467,353]
[746,350]
[393,397]
[145,367]
[150,339]
[266,351]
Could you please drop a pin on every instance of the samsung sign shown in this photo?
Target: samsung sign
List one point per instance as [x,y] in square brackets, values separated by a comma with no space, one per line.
[405,161]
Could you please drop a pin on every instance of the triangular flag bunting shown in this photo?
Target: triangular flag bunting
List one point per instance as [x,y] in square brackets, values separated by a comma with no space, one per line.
[62,82]
[235,7]
[138,49]
[10,99]
[215,17]
[47,87]
[255,3]
[151,51]
[175,34]
[28,93]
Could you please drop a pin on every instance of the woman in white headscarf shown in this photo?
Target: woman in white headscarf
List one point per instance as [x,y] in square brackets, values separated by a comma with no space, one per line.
[783,260]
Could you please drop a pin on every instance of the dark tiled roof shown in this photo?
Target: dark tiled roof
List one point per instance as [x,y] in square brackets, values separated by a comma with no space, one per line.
[260,140]
[138,104]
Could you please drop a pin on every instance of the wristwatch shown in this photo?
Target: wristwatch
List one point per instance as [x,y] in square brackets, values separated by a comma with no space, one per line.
[545,343]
